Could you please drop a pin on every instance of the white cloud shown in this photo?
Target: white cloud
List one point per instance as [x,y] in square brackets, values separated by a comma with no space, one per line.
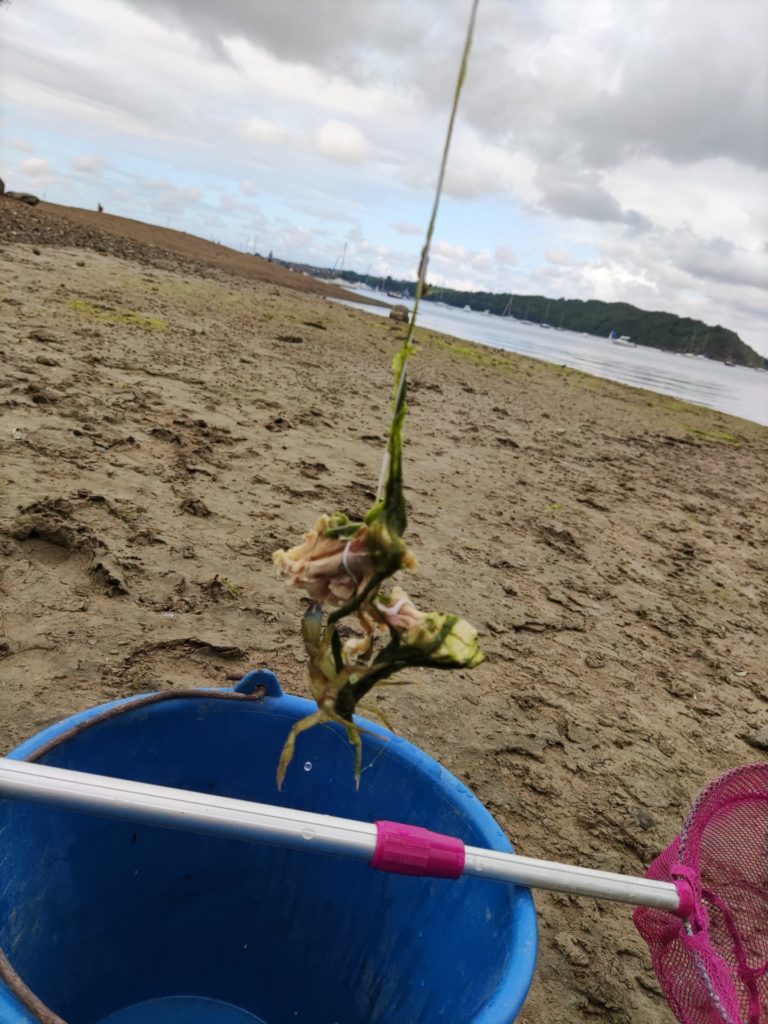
[249,187]
[482,260]
[560,257]
[405,228]
[94,165]
[716,197]
[170,198]
[449,251]
[37,169]
[505,255]
[342,142]
[262,130]
[289,81]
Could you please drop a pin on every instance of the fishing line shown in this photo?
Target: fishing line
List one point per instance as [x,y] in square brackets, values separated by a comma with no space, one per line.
[408,345]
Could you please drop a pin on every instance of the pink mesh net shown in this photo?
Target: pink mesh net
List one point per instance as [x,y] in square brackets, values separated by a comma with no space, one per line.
[712,964]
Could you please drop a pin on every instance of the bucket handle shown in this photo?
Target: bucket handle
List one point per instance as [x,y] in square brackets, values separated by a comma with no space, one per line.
[260,677]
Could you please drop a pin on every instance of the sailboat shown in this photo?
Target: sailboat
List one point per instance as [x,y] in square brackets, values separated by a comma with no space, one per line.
[623,340]
[508,307]
[338,267]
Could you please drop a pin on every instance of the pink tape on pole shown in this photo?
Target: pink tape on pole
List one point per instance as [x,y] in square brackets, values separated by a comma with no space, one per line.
[411,850]
[687,907]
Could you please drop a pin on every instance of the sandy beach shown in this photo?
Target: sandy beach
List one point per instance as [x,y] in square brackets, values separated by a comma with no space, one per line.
[167,421]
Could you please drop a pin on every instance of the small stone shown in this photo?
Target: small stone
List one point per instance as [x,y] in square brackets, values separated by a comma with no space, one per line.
[42,396]
[680,688]
[757,739]
[594,661]
[36,252]
[278,423]
[643,818]
[195,507]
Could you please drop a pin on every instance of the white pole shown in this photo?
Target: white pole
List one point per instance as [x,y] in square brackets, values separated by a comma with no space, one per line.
[281,826]
[185,810]
[545,874]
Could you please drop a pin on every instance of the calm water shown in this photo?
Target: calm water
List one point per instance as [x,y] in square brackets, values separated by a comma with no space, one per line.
[732,389]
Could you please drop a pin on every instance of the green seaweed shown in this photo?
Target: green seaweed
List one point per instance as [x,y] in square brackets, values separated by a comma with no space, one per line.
[343,564]
[723,436]
[117,316]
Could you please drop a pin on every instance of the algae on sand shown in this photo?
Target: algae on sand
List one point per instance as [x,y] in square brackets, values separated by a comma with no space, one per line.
[117,316]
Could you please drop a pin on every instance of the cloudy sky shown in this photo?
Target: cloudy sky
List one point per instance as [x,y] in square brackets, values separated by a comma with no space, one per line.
[615,149]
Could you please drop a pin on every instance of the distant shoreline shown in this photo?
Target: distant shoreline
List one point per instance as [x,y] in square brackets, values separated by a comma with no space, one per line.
[652,328]
[740,391]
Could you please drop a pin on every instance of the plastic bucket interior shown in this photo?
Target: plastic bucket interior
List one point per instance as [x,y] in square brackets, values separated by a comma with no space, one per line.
[108,922]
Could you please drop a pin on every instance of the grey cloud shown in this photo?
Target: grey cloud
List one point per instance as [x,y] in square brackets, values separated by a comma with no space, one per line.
[573,88]
[581,194]
[684,81]
[332,34]
[93,86]
[636,222]
[718,259]
[578,200]
[669,255]
[464,180]
[701,91]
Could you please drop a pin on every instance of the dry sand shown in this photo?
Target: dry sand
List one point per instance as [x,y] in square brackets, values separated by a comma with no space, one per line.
[166,423]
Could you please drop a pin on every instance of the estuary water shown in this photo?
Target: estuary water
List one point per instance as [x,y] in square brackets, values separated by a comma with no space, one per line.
[737,390]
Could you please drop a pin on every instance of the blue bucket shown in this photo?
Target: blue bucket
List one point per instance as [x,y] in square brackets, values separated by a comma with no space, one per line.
[108,922]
